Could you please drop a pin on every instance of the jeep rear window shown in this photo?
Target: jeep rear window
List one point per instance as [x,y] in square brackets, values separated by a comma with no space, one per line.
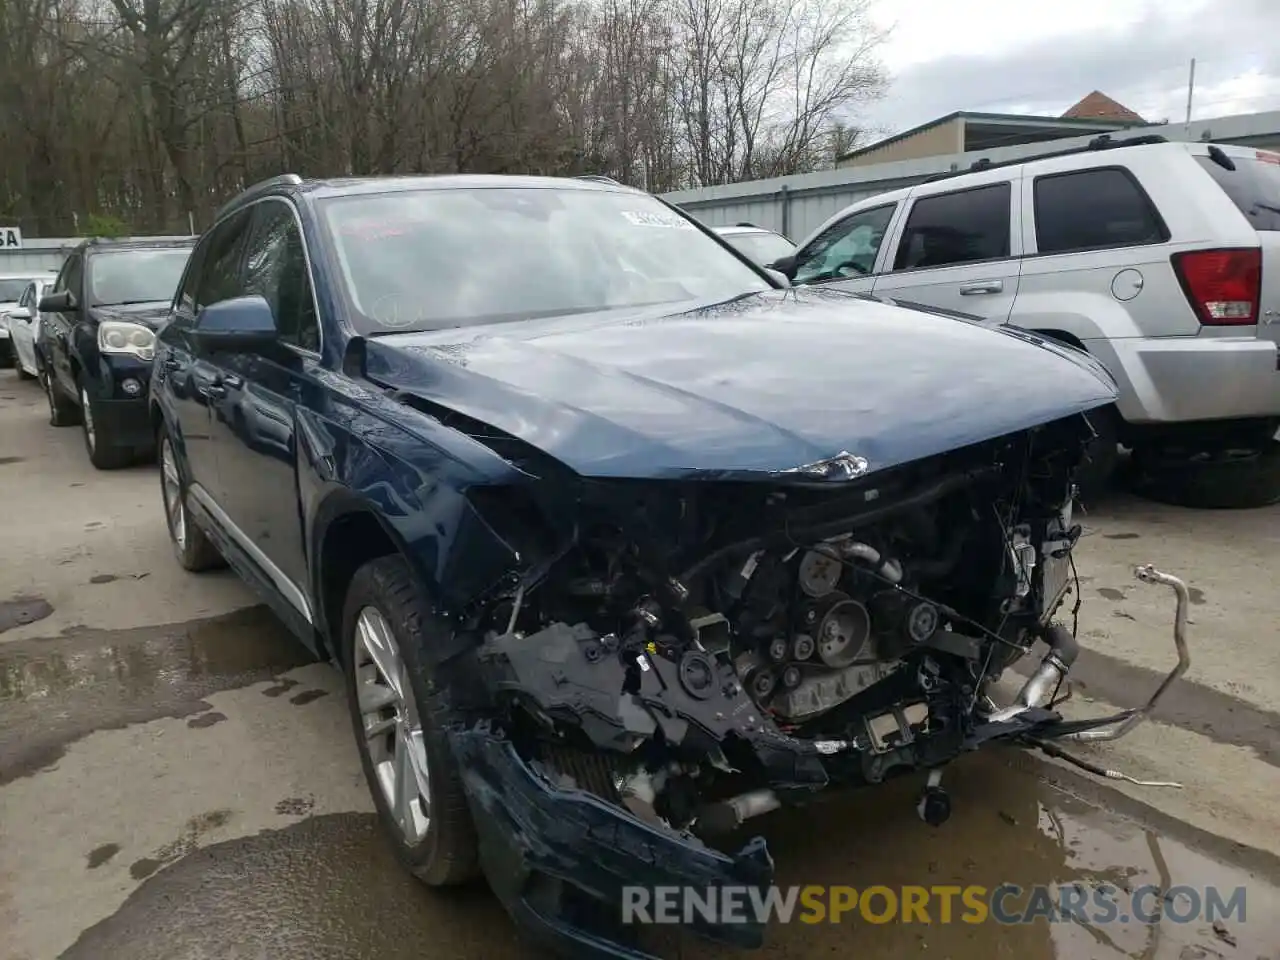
[1253,186]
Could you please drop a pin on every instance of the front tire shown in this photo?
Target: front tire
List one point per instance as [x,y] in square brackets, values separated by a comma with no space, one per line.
[195,552]
[62,412]
[100,441]
[399,715]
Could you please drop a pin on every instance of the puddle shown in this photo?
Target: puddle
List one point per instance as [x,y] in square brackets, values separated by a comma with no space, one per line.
[329,886]
[23,610]
[54,691]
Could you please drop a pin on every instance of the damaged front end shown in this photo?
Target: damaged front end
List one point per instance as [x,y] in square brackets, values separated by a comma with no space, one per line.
[670,658]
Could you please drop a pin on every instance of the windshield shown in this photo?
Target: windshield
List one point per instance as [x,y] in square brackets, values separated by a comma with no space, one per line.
[11,290]
[433,259]
[1254,186]
[763,248]
[135,276]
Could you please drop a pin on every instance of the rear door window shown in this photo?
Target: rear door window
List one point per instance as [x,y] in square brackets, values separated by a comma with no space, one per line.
[1093,210]
[960,227]
[1253,186]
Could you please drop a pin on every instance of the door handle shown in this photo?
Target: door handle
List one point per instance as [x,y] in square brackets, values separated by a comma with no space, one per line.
[171,363]
[981,286]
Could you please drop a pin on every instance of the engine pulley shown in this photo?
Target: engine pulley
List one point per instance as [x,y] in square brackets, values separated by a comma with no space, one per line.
[844,633]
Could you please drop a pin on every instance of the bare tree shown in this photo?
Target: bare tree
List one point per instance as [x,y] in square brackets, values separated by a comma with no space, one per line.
[142,113]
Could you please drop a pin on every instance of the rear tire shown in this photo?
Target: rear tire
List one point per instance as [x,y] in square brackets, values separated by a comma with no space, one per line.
[385,611]
[1223,480]
[194,550]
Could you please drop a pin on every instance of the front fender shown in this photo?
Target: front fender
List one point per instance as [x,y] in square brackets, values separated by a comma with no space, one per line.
[412,474]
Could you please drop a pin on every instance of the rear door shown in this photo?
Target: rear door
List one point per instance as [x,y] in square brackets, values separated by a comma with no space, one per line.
[1254,187]
[959,247]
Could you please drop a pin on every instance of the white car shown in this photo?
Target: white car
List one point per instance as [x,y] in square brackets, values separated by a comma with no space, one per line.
[23,320]
[14,288]
[1160,259]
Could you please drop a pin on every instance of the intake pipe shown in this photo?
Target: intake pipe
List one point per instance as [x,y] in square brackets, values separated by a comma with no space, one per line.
[1053,669]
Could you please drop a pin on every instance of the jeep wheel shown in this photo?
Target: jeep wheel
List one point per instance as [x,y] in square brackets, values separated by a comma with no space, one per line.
[194,550]
[399,715]
[1223,479]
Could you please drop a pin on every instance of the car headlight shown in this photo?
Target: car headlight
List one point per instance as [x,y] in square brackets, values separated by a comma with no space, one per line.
[120,336]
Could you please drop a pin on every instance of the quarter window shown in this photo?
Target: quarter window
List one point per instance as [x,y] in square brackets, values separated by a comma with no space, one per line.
[276,269]
[846,249]
[1091,210]
[956,228]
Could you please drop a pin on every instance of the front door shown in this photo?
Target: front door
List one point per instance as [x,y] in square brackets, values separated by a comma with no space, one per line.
[844,255]
[188,376]
[59,326]
[959,250]
[256,411]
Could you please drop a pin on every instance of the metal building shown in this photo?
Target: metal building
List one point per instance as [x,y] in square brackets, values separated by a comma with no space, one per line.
[796,205]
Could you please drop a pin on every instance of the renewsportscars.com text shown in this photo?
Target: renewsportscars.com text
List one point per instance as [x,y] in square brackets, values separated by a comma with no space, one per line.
[937,904]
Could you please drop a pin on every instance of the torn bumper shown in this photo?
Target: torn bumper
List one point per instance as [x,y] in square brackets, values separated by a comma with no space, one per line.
[559,859]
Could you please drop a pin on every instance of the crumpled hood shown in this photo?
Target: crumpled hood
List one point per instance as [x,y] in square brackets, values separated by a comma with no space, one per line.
[761,384]
[151,314]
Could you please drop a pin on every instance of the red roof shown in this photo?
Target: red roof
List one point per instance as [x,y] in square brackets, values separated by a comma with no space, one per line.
[1098,106]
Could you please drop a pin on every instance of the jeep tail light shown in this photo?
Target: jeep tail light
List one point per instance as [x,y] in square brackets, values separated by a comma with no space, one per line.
[1224,286]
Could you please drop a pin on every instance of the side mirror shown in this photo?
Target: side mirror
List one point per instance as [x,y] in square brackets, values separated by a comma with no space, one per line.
[20,313]
[785,266]
[781,278]
[241,324]
[64,301]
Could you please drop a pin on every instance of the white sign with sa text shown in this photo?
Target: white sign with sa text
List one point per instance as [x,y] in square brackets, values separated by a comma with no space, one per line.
[10,238]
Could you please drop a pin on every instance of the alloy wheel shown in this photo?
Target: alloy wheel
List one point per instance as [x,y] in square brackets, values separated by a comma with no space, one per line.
[171,490]
[89,432]
[392,728]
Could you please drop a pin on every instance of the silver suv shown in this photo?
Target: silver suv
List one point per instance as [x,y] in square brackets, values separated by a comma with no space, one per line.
[1162,259]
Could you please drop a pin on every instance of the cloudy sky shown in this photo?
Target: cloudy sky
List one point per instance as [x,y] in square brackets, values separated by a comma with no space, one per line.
[1041,56]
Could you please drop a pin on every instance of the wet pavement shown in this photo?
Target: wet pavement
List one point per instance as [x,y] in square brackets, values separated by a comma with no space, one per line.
[179,781]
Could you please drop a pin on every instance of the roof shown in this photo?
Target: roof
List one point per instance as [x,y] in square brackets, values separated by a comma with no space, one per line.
[1004,129]
[349,186]
[134,243]
[1097,105]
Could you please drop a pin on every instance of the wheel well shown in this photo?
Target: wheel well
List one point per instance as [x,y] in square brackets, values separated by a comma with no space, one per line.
[1062,336]
[349,543]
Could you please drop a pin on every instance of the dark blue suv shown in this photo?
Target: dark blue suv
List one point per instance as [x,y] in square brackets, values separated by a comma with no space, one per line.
[618,540]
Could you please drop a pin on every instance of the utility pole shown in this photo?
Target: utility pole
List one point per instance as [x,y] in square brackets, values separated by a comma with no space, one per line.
[1191,86]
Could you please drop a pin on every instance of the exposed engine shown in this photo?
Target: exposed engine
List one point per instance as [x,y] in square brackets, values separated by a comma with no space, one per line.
[702,650]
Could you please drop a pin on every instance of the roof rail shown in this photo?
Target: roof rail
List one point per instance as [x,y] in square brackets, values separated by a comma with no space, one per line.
[253,190]
[597,178]
[1100,142]
[748,223]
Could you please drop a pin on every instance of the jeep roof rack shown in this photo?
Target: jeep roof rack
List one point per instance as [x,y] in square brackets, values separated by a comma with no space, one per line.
[1100,142]
[597,178]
